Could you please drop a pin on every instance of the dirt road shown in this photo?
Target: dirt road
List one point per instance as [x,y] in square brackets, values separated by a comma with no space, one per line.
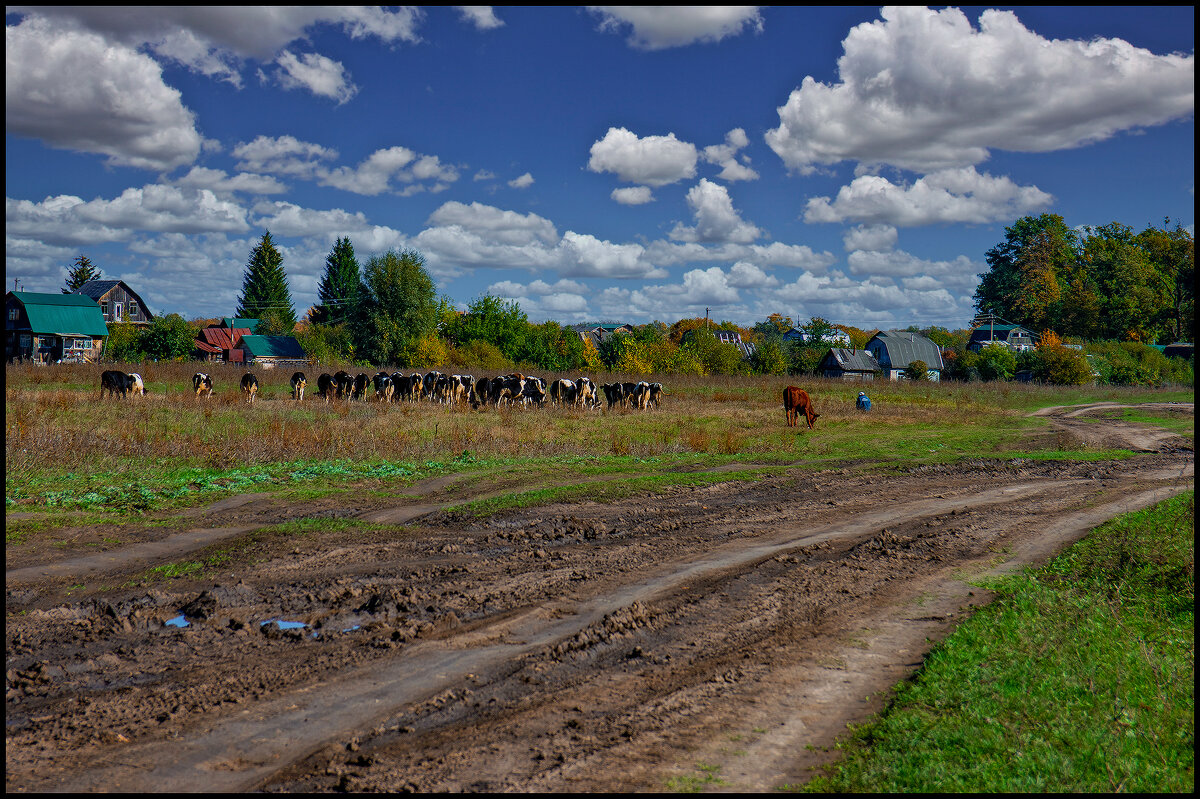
[717,637]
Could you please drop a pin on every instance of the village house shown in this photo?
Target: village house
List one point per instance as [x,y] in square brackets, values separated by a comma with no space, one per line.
[219,342]
[271,351]
[747,348]
[597,333]
[1014,337]
[53,328]
[118,302]
[849,364]
[894,350]
[838,338]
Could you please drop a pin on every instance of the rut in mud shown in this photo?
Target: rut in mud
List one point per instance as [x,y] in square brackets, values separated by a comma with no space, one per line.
[586,646]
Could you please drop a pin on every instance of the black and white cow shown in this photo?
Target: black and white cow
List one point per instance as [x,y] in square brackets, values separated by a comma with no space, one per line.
[383,387]
[564,392]
[299,382]
[534,392]
[506,389]
[202,385]
[249,386]
[114,383]
[136,385]
[613,394]
[640,395]
[359,389]
[326,386]
[344,382]
[586,397]
[398,379]
[656,392]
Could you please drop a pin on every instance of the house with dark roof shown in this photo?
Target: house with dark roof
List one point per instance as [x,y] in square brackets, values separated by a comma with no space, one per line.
[271,351]
[849,364]
[53,328]
[896,349]
[598,332]
[1014,337]
[795,334]
[117,301]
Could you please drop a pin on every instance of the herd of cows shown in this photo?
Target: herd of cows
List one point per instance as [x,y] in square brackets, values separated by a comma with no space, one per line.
[513,389]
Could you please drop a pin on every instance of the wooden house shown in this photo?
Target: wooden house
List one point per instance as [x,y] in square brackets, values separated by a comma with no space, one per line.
[849,364]
[271,351]
[218,343]
[1014,337]
[53,328]
[598,333]
[117,302]
[896,349]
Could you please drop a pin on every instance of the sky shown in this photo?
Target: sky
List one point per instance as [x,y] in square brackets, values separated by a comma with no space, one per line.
[602,163]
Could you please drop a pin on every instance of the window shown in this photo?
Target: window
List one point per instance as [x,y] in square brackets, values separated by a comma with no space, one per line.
[133,310]
[13,314]
[104,308]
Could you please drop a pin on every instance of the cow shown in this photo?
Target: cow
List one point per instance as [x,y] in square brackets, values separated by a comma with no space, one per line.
[383,387]
[414,387]
[429,385]
[136,385]
[202,384]
[564,392]
[397,385]
[299,382]
[344,382]
[640,395]
[534,391]
[587,393]
[115,382]
[795,402]
[359,389]
[612,393]
[479,395]
[326,386]
[508,387]
[656,391]
[249,386]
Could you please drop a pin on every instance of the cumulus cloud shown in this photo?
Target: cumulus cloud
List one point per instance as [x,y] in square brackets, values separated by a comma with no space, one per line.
[633,195]
[482,17]
[950,195]
[282,155]
[74,90]
[716,219]
[725,156]
[221,183]
[506,227]
[921,89]
[794,256]
[322,76]
[650,161]
[872,238]
[661,27]
[522,182]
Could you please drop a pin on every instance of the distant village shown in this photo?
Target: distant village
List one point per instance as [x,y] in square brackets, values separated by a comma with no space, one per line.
[44,328]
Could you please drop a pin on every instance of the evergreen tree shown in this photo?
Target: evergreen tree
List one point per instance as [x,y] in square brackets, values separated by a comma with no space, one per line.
[265,292]
[81,272]
[338,293]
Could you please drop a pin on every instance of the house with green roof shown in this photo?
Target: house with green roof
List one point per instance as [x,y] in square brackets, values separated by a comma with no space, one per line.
[1014,337]
[53,328]
[270,351]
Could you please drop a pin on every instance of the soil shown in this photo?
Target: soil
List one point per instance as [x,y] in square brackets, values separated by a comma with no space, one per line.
[717,637]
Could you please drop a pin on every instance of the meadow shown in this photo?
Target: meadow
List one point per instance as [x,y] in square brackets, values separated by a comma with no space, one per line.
[66,446]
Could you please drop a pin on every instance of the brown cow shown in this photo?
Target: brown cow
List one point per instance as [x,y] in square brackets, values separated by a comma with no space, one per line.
[795,401]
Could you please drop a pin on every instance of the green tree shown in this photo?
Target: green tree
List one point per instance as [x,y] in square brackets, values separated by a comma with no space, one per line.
[917,370]
[337,293]
[496,321]
[1135,294]
[397,310]
[820,331]
[1173,252]
[1026,269]
[168,338]
[82,271]
[265,289]
[769,358]
[996,362]
[122,343]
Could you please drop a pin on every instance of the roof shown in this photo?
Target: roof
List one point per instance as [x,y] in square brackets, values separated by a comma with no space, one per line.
[902,348]
[272,347]
[98,288]
[221,337]
[238,322]
[850,360]
[62,314]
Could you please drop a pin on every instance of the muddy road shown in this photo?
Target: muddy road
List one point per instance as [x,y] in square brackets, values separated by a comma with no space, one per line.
[718,636]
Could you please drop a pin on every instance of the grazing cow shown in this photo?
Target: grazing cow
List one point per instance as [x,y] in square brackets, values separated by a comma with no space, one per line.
[326,386]
[640,395]
[564,391]
[398,379]
[344,382]
[612,393]
[627,392]
[534,392]
[480,394]
[136,385]
[359,390]
[508,387]
[249,386]
[202,384]
[415,387]
[429,385]
[656,391]
[795,402]
[299,382]
[383,387]
[587,393]
[115,382]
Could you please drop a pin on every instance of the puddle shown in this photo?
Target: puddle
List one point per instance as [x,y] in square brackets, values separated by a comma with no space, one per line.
[178,621]
[284,625]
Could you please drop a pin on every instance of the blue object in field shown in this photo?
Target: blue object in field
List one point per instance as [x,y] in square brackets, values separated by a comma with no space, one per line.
[864,402]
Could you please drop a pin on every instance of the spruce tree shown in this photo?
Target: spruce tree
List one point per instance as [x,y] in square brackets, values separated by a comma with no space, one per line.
[338,293]
[81,272]
[265,292]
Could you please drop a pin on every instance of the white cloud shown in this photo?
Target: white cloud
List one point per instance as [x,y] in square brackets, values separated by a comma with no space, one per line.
[922,90]
[505,227]
[289,219]
[322,76]
[716,219]
[633,195]
[73,90]
[522,182]
[660,27]
[725,156]
[951,195]
[484,174]
[482,17]
[373,175]
[650,161]
[795,256]
[283,155]
[749,276]
[872,238]
[376,174]
[584,255]
[220,183]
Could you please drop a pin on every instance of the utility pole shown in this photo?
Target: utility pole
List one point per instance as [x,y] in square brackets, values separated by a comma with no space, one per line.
[706,318]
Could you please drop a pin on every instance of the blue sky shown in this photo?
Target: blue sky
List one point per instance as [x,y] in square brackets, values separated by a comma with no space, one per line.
[615,163]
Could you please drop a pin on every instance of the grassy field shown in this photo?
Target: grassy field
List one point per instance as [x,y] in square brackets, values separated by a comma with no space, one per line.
[66,447]
[1080,678]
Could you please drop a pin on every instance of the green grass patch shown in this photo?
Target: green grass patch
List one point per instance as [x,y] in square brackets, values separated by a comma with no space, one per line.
[695,783]
[1078,678]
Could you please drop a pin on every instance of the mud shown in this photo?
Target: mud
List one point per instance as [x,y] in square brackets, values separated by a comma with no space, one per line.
[732,629]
